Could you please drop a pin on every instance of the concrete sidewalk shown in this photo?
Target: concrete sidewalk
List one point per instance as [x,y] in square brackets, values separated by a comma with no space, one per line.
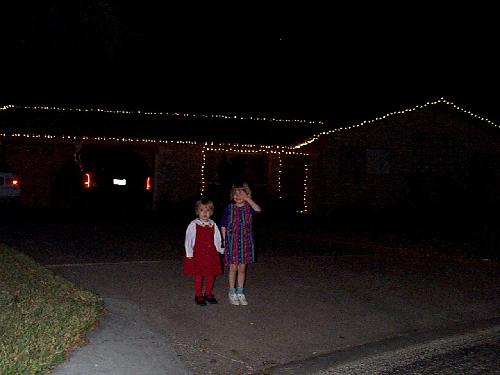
[123,345]
[301,309]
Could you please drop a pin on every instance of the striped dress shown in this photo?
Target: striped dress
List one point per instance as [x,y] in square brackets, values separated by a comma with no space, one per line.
[239,243]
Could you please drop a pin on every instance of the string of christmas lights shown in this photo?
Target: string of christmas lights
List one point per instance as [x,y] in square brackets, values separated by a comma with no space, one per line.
[376,119]
[280,166]
[305,207]
[253,149]
[209,148]
[239,147]
[167,114]
[202,172]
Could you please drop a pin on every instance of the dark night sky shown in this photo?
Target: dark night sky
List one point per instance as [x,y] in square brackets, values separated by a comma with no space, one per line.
[340,65]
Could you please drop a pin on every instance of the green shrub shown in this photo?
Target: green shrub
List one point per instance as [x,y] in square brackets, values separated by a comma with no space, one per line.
[42,316]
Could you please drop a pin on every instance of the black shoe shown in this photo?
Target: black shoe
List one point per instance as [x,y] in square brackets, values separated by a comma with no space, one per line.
[200,301]
[210,299]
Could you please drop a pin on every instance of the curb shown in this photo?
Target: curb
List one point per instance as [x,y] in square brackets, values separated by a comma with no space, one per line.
[405,339]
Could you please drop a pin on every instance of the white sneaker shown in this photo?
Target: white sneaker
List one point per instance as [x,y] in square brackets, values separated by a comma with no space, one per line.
[233,299]
[241,297]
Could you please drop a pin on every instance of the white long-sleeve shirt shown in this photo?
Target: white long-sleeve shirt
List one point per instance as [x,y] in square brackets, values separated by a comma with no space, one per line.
[191,236]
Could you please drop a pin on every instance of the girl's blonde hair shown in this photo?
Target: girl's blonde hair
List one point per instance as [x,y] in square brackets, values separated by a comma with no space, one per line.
[244,186]
[204,202]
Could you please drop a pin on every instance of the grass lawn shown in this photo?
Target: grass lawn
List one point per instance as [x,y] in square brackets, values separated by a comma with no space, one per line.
[42,316]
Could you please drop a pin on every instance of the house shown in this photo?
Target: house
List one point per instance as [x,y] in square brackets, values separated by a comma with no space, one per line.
[182,156]
[433,156]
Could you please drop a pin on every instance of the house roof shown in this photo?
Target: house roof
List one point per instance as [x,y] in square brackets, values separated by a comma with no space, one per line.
[442,103]
[160,126]
[93,123]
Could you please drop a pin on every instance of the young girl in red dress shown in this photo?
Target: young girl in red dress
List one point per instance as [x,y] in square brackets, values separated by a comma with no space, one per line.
[203,245]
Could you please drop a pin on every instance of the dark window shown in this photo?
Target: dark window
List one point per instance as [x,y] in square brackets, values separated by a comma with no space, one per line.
[351,161]
[378,161]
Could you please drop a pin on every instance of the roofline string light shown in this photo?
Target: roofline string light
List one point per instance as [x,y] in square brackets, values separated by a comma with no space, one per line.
[74,138]
[212,146]
[252,149]
[239,147]
[368,122]
[166,114]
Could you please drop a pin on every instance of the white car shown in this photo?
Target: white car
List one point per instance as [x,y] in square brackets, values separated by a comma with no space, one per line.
[10,187]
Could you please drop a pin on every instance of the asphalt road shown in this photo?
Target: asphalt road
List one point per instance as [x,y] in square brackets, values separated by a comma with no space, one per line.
[314,306]
[472,353]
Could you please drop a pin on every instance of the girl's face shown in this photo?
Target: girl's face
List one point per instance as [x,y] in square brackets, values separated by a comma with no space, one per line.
[239,196]
[204,212]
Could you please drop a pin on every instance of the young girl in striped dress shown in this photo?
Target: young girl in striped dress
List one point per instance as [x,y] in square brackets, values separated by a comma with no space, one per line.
[237,233]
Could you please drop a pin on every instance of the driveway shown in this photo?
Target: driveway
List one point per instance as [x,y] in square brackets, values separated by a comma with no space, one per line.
[301,307]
